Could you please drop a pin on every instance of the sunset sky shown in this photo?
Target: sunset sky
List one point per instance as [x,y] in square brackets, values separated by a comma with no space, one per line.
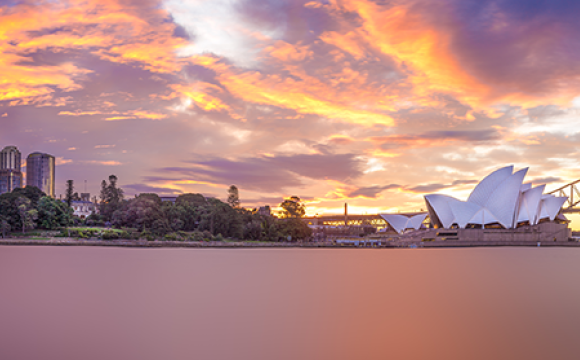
[374,103]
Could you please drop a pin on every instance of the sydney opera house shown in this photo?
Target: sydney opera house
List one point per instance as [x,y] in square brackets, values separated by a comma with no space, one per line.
[500,201]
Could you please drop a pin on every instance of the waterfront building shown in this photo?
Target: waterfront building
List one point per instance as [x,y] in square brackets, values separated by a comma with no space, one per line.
[10,174]
[501,200]
[40,172]
[84,207]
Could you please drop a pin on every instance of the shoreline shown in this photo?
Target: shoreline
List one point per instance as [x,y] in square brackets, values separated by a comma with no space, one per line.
[245,244]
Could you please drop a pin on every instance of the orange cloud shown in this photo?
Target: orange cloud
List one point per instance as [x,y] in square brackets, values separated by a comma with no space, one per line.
[349,42]
[131,114]
[340,139]
[286,52]
[108,29]
[61,161]
[108,163]
[305,96]
[423,50]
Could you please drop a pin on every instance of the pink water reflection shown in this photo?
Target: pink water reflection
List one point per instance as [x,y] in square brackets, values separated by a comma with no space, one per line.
[104,303]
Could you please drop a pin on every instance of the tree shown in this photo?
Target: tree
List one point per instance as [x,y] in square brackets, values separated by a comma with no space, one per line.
[26,212]
[69,192]
[103,194]
[53,214]
[295,228]
[111,197]
[192,199]
[4,225]
[31,192]
[233,197]
[293,208]
[115,194]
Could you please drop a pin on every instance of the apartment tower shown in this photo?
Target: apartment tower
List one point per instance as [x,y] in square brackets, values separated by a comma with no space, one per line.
[40,172]
[10,174]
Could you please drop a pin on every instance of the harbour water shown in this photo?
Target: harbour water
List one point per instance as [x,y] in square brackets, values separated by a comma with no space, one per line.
[248,304]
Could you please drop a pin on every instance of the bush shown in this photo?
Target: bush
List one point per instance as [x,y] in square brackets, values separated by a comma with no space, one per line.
[196,236]
[110,235]
[219,237]
[146,234]
[125,235]
[172,237]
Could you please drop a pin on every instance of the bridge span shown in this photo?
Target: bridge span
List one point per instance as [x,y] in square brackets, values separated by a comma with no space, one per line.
[572,205]
[570,190]
[374,220]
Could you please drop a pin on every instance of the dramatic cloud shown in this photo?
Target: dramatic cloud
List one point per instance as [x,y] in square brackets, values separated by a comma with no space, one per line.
[335,101]
[272,173]
[141,188]
[371,191]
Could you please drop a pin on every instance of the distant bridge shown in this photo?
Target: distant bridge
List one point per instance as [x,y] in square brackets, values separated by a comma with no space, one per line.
[571,191]
[352,220]
[572,205]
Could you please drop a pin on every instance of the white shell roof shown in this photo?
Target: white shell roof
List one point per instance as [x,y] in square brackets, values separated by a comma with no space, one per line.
[440,204]
[553,205]
[483,217]
[416,221]
[483,190]
[530,204]
[401,222]
[502,202]
[500,197]
[397,221]
[463,212]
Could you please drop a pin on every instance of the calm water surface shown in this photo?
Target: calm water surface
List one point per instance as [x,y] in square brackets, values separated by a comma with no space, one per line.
[113,303]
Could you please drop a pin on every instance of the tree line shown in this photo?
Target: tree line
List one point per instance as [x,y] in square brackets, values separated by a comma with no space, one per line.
[29,208]
[196,213]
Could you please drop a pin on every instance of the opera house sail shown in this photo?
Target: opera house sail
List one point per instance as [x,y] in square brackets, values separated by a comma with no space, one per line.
[501,199]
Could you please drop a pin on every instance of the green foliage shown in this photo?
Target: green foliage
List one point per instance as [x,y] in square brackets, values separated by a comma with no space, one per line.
[233,197]
[219,217]
[191,199]
[82,233]
[31,192]
[293,208]
[296,228]
[53,214]
[10,211]
[195,218]
[111,198]
[148,235]
[94,220]
[4,225]
[196,236]
[173,237]
[153,197]
[69,193]
[110,235]
[27,213]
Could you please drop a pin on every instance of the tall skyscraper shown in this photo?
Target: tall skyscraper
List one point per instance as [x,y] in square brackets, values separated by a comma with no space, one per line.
[10,174]
[40,172]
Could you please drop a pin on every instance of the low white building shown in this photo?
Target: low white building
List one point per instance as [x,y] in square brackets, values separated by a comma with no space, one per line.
[501,199]
[84,208]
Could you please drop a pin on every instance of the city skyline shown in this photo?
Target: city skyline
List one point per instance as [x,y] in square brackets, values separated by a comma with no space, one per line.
[317,99]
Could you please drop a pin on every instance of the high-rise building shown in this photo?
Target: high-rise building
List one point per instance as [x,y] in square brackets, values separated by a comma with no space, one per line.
[10,174]
[40,172]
